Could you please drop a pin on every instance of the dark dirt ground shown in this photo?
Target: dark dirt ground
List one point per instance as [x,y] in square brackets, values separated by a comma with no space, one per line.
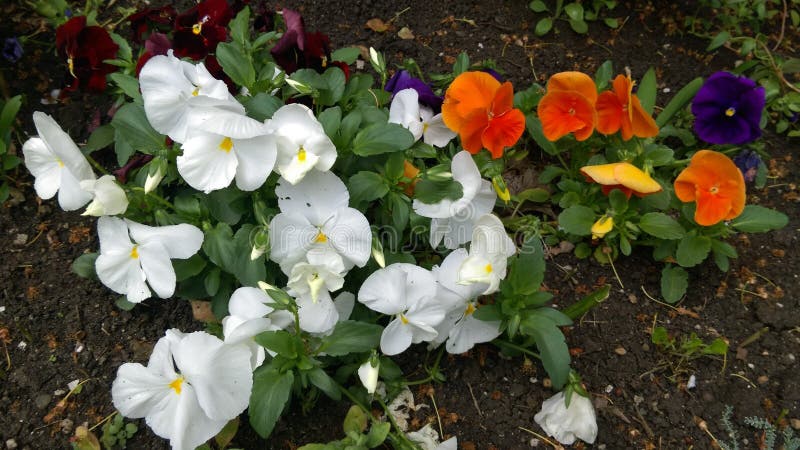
[57,327]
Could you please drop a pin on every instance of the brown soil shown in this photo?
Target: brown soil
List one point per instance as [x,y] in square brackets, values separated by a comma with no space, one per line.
[57,327]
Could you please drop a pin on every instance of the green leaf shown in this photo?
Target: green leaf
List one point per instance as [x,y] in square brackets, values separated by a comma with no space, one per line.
[122,303]
[647,90]
[692,250]
[674,281]
[543,26]
[381,138]
[604,74]
[534,127]
[552,347]
[611,22]
[400,209]
[661,226]
[355,421]
[232,253]
[211,282]
[461,65]
[535,195]
[579,26]
[128,84]
[527,270]
[131,125]
[280,342]
[9,112]
[226,434]
[227,205]
[618,201]
[187,268]
[377,434]
[271,391]
[366,187]
[433,191]
[124,51]
[347,55]
[717,347]
[325,383]
[261,106]
[83,265]
[537,6]
[331,119]
[240,27]
[718,41]
[588,302]
[679,101]
[236,63]
[758,219]
[574,11]
[351,336]
[101,137]
[577,219]
[334,80]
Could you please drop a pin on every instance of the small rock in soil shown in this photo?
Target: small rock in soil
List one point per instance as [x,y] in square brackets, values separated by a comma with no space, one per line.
[620,351]
[795,423]
[66,426]
[11,444]
[42,400]
[20,239]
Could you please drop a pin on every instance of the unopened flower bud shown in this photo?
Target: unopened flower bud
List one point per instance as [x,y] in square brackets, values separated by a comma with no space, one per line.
[155,174]
[500,187]
[368,373]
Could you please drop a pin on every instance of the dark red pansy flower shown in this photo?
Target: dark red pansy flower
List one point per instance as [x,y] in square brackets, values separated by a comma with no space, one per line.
[156,44]
[152,19]
[84,49]
[199,29]
[298,49]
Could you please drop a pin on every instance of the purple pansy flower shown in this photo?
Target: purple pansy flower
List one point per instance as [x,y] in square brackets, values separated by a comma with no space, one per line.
[12,50]
[403,80]
[748,161]
[727,109]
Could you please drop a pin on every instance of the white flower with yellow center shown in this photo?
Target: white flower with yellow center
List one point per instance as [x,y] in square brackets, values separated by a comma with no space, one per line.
[315,214]
[406,110]
[231,146]
[323,270]
[189,390]
[460,328]
[57,164]
[488,254]
[109,197]
[301,141]
[453,220]
[408,293]
[173,89]
[133,256]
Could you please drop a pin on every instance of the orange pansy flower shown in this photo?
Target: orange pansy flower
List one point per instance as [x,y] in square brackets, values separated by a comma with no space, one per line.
[623,176]
[481,111]
[411,172]
[620,109]
[568,106]
[715,183]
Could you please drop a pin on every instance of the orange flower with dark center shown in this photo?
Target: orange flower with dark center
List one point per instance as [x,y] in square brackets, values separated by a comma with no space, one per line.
[714,182]
[481,111]
[623,176]
[568,106]
[620,109]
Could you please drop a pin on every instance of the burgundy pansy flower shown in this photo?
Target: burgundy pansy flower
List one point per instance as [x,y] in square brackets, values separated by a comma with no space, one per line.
[156,44]
[727,109]
[84,49]
[201,28]
[403,80]
[151,19]
[300,50]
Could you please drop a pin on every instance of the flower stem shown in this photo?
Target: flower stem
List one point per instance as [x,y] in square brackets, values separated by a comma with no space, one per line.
[503,343]
[96,165]
[158,198]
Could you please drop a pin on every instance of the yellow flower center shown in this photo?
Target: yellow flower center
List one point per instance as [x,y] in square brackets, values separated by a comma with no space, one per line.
[470,309]
[176,384]
[403,319]
[301,155]
[321,238]
[195,92]
[226,145]
[71,66]
[425,127]
[135,252]
[60,163]
[197,28]
[730,111]
[488,268]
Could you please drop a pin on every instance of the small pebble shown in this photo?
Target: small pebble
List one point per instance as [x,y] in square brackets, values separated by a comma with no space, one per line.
[59,392]
[692,383]
[20,239]
[638,399]
[763,379]
[795,423]
[2,309]
[609,389]
[666,90]
[11,444]
[22,345]
[751,365]
[42,400]
[620,351]
[66,426]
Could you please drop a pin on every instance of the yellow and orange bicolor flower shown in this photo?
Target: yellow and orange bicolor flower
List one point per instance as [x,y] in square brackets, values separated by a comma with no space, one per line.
[481,110]
[620,110]
[568,106]
[715,183]
[623,176]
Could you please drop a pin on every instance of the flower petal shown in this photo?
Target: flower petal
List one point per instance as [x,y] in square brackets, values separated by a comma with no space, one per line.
[396,338]
[468,93]
[157,268]
[207,163]
[316,197]
[256,159]
[574,81]
[180,241]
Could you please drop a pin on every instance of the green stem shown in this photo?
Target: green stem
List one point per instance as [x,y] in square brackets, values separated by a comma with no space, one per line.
[401,436]
[435,369]
[157,197]
[501,343]
[97,165]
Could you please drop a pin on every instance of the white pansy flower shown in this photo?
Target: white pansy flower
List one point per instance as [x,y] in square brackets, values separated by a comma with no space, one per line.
[249,316]
[133,256]
[230,146]
[408,293]
[317,316]
[173,89]
[488,254]
[406,110]
[323,270]
[315,214]
[301,141]
[567,424]
[189,390]
[57,164]
[460,328]
[109,197]
[454,220]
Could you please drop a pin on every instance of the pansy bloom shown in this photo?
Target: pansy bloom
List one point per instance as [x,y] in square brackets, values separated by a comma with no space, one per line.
[403,80]
[620,110]
[148,19]
[481,111]
[84,48]
[727,109]
[568,106]
[623,176]
[201,28]
[298,49]
[715,183]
